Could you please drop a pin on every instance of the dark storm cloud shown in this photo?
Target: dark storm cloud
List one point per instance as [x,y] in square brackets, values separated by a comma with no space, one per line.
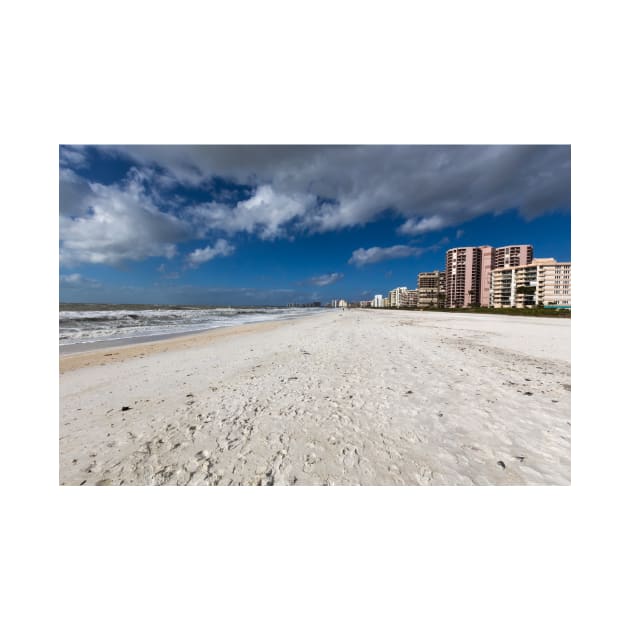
[431,187]
[305,189]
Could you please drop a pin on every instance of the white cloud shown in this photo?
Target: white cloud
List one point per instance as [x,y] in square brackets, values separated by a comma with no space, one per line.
[372,255]
[200,256]
[112,224]
[74,193]
[266,213]
[73,157]
[420,226]
[77,281]
[326,279]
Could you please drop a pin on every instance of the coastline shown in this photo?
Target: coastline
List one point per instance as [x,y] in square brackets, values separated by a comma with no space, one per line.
[116,351]
[155,323]
[339,398]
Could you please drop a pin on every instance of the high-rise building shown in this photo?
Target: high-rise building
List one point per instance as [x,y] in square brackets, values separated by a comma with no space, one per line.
[487,264]
[431,289]
[542,282]
[513,256]
[463,271]
[377,302]
[468,271]
[396,296]
[409,298]
[500,258]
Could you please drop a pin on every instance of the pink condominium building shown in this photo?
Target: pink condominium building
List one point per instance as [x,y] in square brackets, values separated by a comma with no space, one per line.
[463,269]
[469,269]
[543,282]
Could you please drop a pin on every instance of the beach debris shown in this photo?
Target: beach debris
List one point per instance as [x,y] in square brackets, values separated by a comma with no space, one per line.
[528,393]
[408,392]
[566,386]
[502,464]
[189,395]
[105,482]
[125,408]
[554,401]
[83,482]
[292,378]
[521,458]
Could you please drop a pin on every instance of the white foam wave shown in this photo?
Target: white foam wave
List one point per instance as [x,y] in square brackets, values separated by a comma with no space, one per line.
[88,326]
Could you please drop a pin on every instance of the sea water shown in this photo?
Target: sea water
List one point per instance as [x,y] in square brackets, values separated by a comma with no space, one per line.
[90,323]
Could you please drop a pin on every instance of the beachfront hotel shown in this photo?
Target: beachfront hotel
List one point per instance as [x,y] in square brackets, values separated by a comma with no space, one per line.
[431,289]
[543,282]
[468,271]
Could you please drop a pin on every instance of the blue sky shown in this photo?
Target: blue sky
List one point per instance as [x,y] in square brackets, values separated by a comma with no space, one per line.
[271,225]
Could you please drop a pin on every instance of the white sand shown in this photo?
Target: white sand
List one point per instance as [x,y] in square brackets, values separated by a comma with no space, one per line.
[352,397]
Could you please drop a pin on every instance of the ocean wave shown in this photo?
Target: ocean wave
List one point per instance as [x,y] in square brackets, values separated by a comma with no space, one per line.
[87,326]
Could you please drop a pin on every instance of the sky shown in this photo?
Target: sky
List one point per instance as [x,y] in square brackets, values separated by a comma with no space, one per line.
[272,225]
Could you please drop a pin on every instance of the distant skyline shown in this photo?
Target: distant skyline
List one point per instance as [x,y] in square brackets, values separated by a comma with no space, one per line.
[269,225]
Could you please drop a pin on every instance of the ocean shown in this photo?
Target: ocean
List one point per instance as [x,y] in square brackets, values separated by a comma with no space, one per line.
[110,323]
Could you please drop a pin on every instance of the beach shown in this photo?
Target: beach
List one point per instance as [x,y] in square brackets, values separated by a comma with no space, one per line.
[343,397]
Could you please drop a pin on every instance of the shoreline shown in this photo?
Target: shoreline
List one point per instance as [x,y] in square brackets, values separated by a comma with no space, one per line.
[93,346]
[115,342]
[344,398]
[132,348]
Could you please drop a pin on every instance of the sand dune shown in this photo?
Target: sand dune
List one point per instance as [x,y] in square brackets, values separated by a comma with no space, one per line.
[341,398]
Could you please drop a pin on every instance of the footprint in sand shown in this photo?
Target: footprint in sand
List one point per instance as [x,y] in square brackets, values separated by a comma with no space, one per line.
[309,461]
[424,476]
[350,457]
